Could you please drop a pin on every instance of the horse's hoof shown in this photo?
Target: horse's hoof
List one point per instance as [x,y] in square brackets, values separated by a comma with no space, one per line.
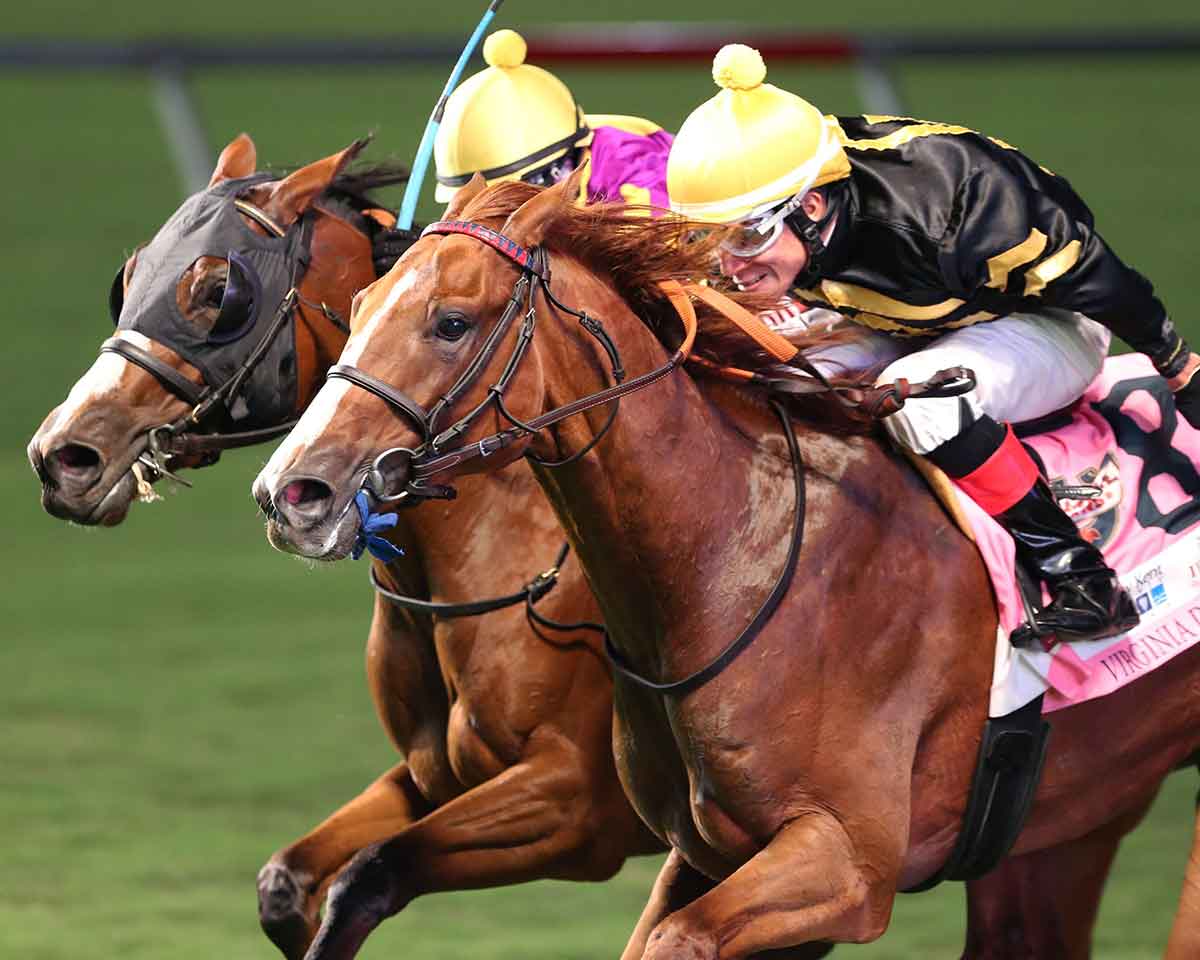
[281,911]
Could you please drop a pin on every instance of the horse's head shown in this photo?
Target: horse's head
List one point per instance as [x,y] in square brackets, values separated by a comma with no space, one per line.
[225,323]
[441,354]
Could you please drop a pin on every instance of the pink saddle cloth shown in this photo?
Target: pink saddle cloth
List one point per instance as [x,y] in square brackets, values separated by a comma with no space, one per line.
[1124,437]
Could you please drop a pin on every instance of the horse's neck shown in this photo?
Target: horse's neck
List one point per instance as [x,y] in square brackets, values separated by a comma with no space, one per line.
[341,266]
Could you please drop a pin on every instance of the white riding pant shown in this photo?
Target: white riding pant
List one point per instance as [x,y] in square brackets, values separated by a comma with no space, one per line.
[1026,365]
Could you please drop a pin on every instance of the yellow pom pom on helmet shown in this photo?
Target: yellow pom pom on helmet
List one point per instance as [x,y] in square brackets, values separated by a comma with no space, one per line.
[750,147]
[506,120]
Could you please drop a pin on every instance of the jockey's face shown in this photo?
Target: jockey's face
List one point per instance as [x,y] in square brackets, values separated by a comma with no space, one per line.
[771,272]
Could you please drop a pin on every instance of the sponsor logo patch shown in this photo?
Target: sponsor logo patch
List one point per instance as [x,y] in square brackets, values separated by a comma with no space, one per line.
[1097,518]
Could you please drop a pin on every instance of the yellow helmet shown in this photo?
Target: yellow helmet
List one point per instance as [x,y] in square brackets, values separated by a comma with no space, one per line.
[751,146]
[506,120]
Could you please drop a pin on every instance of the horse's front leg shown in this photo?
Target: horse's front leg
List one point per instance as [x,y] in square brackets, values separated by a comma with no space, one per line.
[291,883]
[541,818]
[406,685]
[677,885]
[811,882]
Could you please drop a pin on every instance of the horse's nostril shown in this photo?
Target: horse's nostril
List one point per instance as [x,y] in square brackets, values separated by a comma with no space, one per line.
[77,457]
[300,493]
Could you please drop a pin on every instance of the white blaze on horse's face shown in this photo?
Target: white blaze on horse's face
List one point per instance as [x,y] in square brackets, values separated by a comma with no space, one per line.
[314,447]
[317,418]
[365,331]
[108,379]
[312,426]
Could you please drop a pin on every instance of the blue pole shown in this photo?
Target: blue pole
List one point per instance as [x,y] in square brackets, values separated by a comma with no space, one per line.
[420,165]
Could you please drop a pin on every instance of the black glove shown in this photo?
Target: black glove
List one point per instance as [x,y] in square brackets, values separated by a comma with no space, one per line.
[1187,400]
[390,245]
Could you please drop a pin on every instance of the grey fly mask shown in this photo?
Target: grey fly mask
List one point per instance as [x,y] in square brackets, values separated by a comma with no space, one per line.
[248,358]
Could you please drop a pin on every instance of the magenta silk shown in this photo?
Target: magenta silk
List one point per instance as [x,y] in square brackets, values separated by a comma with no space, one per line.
[1145,520]
[629,167]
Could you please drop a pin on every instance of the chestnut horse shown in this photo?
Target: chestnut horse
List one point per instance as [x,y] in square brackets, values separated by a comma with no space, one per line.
[828,766]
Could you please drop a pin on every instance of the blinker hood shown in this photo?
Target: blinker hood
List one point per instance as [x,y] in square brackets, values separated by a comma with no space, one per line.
[261,270]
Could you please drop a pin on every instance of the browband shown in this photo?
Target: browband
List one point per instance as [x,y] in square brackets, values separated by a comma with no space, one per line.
[522,256]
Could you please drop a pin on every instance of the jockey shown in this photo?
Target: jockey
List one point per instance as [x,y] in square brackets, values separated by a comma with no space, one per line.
[515,121]
[948,248]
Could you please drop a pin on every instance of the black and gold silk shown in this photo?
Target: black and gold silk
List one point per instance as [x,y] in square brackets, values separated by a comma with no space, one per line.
[944,227]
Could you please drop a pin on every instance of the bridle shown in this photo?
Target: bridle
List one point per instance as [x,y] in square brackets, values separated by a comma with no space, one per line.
[430,457]
[186,435]
[535,275]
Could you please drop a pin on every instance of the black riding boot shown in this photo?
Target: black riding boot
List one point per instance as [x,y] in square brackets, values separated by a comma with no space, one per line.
[1088,602]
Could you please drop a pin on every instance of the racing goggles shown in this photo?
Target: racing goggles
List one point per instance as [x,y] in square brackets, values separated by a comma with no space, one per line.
[756,235]
[751,238]
[551,173]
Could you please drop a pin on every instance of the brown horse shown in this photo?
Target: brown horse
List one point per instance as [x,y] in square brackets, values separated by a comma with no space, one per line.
[828,766]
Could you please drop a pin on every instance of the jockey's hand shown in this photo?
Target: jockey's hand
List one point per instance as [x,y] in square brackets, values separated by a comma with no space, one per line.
[1186,387]
[390,245]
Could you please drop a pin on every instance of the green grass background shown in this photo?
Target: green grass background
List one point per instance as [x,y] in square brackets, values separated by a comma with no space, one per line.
[179,700]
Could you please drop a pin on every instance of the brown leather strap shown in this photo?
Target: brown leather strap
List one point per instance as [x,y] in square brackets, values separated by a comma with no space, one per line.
[168,376]
[680,300]
[749,323]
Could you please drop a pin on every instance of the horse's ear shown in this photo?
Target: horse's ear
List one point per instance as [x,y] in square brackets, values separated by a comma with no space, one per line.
[462,197]
[573,185]
[238,159]
[294,194]
[527,223]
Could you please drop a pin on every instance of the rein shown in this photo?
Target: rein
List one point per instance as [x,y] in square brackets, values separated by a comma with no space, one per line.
[529,594]
[679,688]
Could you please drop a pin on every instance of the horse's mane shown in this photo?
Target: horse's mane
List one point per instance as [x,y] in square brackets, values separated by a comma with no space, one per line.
[634,252]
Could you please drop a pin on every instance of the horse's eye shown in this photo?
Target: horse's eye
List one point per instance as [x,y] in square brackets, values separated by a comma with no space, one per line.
[237,301]
[452,327]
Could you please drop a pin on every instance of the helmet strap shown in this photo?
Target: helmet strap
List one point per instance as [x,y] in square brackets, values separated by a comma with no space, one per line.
[809,232]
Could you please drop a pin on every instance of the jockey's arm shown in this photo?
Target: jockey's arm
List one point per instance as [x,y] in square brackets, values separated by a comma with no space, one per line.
[1018,246]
